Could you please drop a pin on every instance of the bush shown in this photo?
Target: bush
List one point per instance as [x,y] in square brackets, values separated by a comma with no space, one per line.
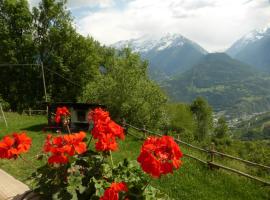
[180,121]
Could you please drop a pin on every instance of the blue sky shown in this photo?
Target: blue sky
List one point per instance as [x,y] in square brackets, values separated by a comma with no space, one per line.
[214,24]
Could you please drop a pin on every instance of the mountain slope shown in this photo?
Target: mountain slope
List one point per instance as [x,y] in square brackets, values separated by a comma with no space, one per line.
[168,55]
[226,83]
[253,49]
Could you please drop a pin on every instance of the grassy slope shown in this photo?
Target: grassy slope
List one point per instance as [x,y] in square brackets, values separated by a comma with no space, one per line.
[192,181]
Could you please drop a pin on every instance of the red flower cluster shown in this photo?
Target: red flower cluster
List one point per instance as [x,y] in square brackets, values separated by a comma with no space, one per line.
[13,146]
[160,155]
[64,146]
[112,192]
[61,113]
[105,130]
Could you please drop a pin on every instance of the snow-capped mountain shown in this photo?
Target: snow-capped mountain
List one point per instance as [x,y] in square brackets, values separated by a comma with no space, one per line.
[147,43]
[168,55]
[253,48]
[248,39]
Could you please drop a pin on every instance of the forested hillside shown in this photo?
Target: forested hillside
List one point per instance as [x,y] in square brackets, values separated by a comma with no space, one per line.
[226,83]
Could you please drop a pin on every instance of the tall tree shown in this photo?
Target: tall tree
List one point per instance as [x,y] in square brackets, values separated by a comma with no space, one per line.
[202,112]
[19,85]
[63,52]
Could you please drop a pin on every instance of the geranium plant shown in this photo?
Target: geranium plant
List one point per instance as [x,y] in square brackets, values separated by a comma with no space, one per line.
[74,171]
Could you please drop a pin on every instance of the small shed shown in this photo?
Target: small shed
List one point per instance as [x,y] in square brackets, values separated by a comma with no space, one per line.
[78,111]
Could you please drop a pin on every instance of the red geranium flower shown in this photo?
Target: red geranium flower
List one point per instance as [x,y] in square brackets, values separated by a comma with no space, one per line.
[98,114]
[112,193]
[61,113]
[116,130]
[160,155]
[106,143]
[62,147]
[76,141]
[13,146]
[105,130]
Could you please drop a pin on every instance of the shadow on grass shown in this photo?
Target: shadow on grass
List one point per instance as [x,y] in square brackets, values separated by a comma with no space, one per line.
[36,128]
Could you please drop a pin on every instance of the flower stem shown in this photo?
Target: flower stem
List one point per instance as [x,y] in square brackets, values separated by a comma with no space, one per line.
[146,185]
[28,162]
[68,129]
[89,142]
[111,158]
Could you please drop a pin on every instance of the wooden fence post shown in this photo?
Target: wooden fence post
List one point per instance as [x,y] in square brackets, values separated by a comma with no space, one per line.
[212,154]
[124,123]
[144,132]
[178,136]
[30,112]
[212,151]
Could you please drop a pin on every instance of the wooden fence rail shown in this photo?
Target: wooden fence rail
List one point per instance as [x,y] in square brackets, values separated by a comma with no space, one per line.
[33,112]
[211,152]
[242,160]
[239,172]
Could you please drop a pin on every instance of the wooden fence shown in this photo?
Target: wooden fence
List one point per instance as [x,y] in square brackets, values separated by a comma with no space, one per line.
[211,152]
[31,112]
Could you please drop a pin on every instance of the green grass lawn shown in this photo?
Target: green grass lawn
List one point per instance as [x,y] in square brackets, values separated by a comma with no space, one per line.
[192,181]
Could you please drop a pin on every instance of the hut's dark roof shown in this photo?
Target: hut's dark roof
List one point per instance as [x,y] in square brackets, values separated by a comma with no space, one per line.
[75,105]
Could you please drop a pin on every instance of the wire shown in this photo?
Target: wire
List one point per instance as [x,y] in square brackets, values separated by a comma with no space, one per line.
[11,65]
[62,77]
[50,70]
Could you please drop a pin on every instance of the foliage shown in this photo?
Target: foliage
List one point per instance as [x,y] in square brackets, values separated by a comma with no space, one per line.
[5,105]
[63,51]
[17,46]
[255,128]
[221,128]
[255,134]
[227,84]
[203,116]
[180,121]
[126,90]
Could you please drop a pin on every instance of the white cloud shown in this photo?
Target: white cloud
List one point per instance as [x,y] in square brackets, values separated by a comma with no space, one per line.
[83,3]
[214,24]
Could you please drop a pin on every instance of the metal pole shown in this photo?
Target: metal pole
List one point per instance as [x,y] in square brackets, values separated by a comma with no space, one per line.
[44,82]
[44,85]
[3,115]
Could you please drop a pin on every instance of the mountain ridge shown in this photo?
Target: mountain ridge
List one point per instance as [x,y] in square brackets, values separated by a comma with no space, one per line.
[228,85]
[253,49]
[168,55]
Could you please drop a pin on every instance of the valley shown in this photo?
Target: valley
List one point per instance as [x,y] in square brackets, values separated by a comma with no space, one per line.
[235,82]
